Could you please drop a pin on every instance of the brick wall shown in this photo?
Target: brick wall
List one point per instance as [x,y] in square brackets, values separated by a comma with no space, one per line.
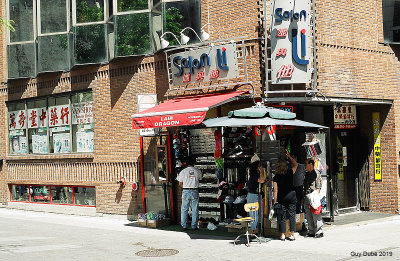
[353,63]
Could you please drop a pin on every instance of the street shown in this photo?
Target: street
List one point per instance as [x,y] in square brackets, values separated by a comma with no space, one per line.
[33,236]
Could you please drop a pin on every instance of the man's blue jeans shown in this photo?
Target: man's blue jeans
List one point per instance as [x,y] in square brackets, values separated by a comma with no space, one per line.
[190,198]
[252,198]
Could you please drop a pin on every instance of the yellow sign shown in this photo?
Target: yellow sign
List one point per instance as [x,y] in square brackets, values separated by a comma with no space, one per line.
[377,146]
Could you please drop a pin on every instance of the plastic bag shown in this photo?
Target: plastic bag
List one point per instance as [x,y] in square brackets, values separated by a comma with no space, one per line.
[315,199]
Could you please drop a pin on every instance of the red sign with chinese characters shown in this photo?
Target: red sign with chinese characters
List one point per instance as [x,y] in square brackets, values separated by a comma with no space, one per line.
[37,118]
[345,117]
[59,115]
[17,120]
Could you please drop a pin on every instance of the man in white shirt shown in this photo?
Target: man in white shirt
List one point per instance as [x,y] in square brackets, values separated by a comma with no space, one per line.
[189,182]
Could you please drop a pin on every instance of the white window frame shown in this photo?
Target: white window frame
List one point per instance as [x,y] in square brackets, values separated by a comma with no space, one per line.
[105,18]
[34,25]
[39,21]
[115,9]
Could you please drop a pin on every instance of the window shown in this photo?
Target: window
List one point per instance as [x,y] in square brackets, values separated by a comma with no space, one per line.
[57,36]
[20,193]
[17,122]
[391,21]
[85,196]
[57,124]
[40,193]
[53,37]
[63,195]
[90,31]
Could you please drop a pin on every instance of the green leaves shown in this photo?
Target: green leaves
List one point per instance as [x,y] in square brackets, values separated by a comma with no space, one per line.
[7,24]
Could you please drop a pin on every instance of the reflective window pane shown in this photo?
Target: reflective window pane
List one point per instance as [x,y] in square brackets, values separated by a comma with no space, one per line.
[53,16]
[40,194]
[20,193]
[85,196]
[21,12]
[61,195]
[21,60]
[90,44]
[391,20]
[181,14]
[53,53]
[132,5]
[89,11]
[132,34]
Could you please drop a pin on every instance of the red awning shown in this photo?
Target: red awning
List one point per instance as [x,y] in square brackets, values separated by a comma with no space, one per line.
[181,111]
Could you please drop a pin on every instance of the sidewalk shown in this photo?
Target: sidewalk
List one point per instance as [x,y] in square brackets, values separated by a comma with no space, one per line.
[27,235]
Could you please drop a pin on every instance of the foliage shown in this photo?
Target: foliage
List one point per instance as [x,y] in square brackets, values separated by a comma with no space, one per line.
[133,34]
[7,24]
[89,44]
[129,5]
[86,14]
[173,20]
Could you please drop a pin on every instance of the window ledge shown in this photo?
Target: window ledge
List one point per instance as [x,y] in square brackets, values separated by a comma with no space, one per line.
[52,156]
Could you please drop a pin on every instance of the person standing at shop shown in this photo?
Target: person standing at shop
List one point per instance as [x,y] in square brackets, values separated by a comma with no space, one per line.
[188,180]
[256,178]
[284,198]
[298,180]
[312,182]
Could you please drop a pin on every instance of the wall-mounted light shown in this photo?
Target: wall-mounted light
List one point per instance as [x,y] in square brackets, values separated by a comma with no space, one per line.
[204,35]
[185,39]
[164,43]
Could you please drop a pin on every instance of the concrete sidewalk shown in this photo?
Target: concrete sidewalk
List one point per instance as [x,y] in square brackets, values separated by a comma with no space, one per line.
[26,235]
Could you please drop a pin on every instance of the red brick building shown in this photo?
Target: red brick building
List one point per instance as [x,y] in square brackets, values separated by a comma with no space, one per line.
[97,66]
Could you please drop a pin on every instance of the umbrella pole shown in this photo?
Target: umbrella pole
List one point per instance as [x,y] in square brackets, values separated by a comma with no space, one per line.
[260,201]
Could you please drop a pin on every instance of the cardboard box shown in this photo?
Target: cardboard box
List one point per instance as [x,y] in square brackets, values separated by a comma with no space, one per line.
[158,223]
[142,222]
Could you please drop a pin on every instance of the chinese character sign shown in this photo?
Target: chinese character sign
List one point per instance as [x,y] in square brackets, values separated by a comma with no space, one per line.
[290,41]
[59,115]
[37,118]
[377,146]
[82,113]
[345,117]
[17,120]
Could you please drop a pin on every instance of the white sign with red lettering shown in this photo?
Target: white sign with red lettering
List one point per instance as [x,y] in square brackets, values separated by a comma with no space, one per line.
[59,115]
[345,117]
[291,41]
[37,118]
[17,120]
[82,113]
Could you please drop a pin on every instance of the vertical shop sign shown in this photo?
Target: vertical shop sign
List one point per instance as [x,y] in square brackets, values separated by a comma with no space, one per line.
[377,146]
[345,117]
[290,41]
[59,115]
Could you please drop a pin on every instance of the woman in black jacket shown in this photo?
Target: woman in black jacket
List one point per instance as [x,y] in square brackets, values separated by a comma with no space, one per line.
[284,198]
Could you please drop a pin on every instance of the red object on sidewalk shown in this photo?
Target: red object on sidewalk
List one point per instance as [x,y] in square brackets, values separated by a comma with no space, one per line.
[181,111]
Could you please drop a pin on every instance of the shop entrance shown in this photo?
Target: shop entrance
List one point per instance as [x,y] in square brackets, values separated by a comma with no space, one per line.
[347,162]
[156,172]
